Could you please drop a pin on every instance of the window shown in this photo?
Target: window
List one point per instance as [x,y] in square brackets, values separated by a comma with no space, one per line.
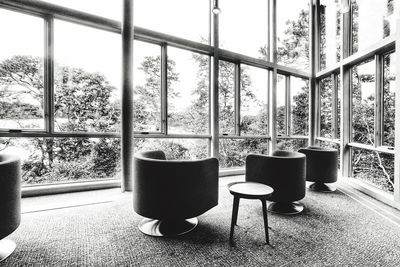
[253,101]
[244,27]
[372,16]
[363,94]
[188,92]
[86,79]
[281,105]
[226,97]
[54,160]
[330,31]
[326,94]
[299,106]
[293,33]
[147,87]
[374,167]
[291,144]
[389,93]
[21,71]
[181,18]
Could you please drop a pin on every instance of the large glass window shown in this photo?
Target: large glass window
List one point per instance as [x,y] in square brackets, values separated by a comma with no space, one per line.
[291,144]
[281,105]
[236,20]
[372,20]
[389,93]
[181,18]
[86,79]
[105,8]
[226,97]
[293,33]
[299,92]
[233,151]
[330,31]
[253,101]
[374,167]
[363,93]
[21,71]
[53,160]
[147,87]
[326,94]
[188,92]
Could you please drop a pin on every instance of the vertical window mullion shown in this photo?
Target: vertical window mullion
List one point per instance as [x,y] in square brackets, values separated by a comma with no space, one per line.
[237,98]
[288,105]
[48,97]
[164,89]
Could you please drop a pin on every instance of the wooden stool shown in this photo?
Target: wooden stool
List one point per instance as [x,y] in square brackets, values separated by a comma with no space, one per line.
[249,190]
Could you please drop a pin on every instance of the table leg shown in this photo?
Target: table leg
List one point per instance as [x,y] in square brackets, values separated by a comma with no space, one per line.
[234,215]
[264,207]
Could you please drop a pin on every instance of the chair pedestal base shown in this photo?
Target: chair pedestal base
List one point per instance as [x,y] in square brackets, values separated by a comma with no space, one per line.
[6,248]
[321,187]
[155,227]
[285,208]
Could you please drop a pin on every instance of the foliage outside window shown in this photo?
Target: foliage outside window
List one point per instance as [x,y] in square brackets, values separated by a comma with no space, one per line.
[281,105]
[326,96]
[293,33]
[330,31]
[227,97]
[374,167]
[21,71]
[363,99]
[299,91]
[291,144]
[372,16]
[389,93]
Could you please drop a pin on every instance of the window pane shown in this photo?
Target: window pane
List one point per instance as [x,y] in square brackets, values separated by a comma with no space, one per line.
[299,106]
[389,93]
[86,79]
[226,97]
[188,92]
[147,87]
[281,105]
[253,101]
[244,27]
[233,152]
[374,168]
[330,32]
[363,91]
[181,18]
[372,20]
[291,144]
[339,103]
[181,149]
[53,160]
[21,71]
[105,8]
[326,94]
[292,33]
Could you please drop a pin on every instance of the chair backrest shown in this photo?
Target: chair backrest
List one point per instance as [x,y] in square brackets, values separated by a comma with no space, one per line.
[10,194]
[174,189]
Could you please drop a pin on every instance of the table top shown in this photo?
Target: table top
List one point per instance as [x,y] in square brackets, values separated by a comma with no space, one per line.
[251,189]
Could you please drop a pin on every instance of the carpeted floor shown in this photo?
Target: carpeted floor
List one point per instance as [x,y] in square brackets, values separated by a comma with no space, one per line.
[334,230]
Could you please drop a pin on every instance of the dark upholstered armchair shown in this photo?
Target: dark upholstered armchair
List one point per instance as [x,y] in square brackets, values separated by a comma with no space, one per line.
[285,172]
[172,193]
[322,167]
[10,201]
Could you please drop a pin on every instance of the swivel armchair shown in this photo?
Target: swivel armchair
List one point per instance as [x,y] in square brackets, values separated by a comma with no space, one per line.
[10,202]
[285,172]
[172,193]
[322,167]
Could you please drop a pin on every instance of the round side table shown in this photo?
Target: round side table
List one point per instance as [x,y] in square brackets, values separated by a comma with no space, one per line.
[249,190]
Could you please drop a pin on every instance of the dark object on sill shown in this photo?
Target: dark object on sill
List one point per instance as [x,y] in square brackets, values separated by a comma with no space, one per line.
[144,132]
[390,148]
[10,201]
[322,167]
[172,193]
[285,172]
[15,131]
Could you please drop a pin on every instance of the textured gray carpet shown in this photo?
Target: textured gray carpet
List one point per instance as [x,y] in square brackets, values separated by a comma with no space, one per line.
[334,230]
